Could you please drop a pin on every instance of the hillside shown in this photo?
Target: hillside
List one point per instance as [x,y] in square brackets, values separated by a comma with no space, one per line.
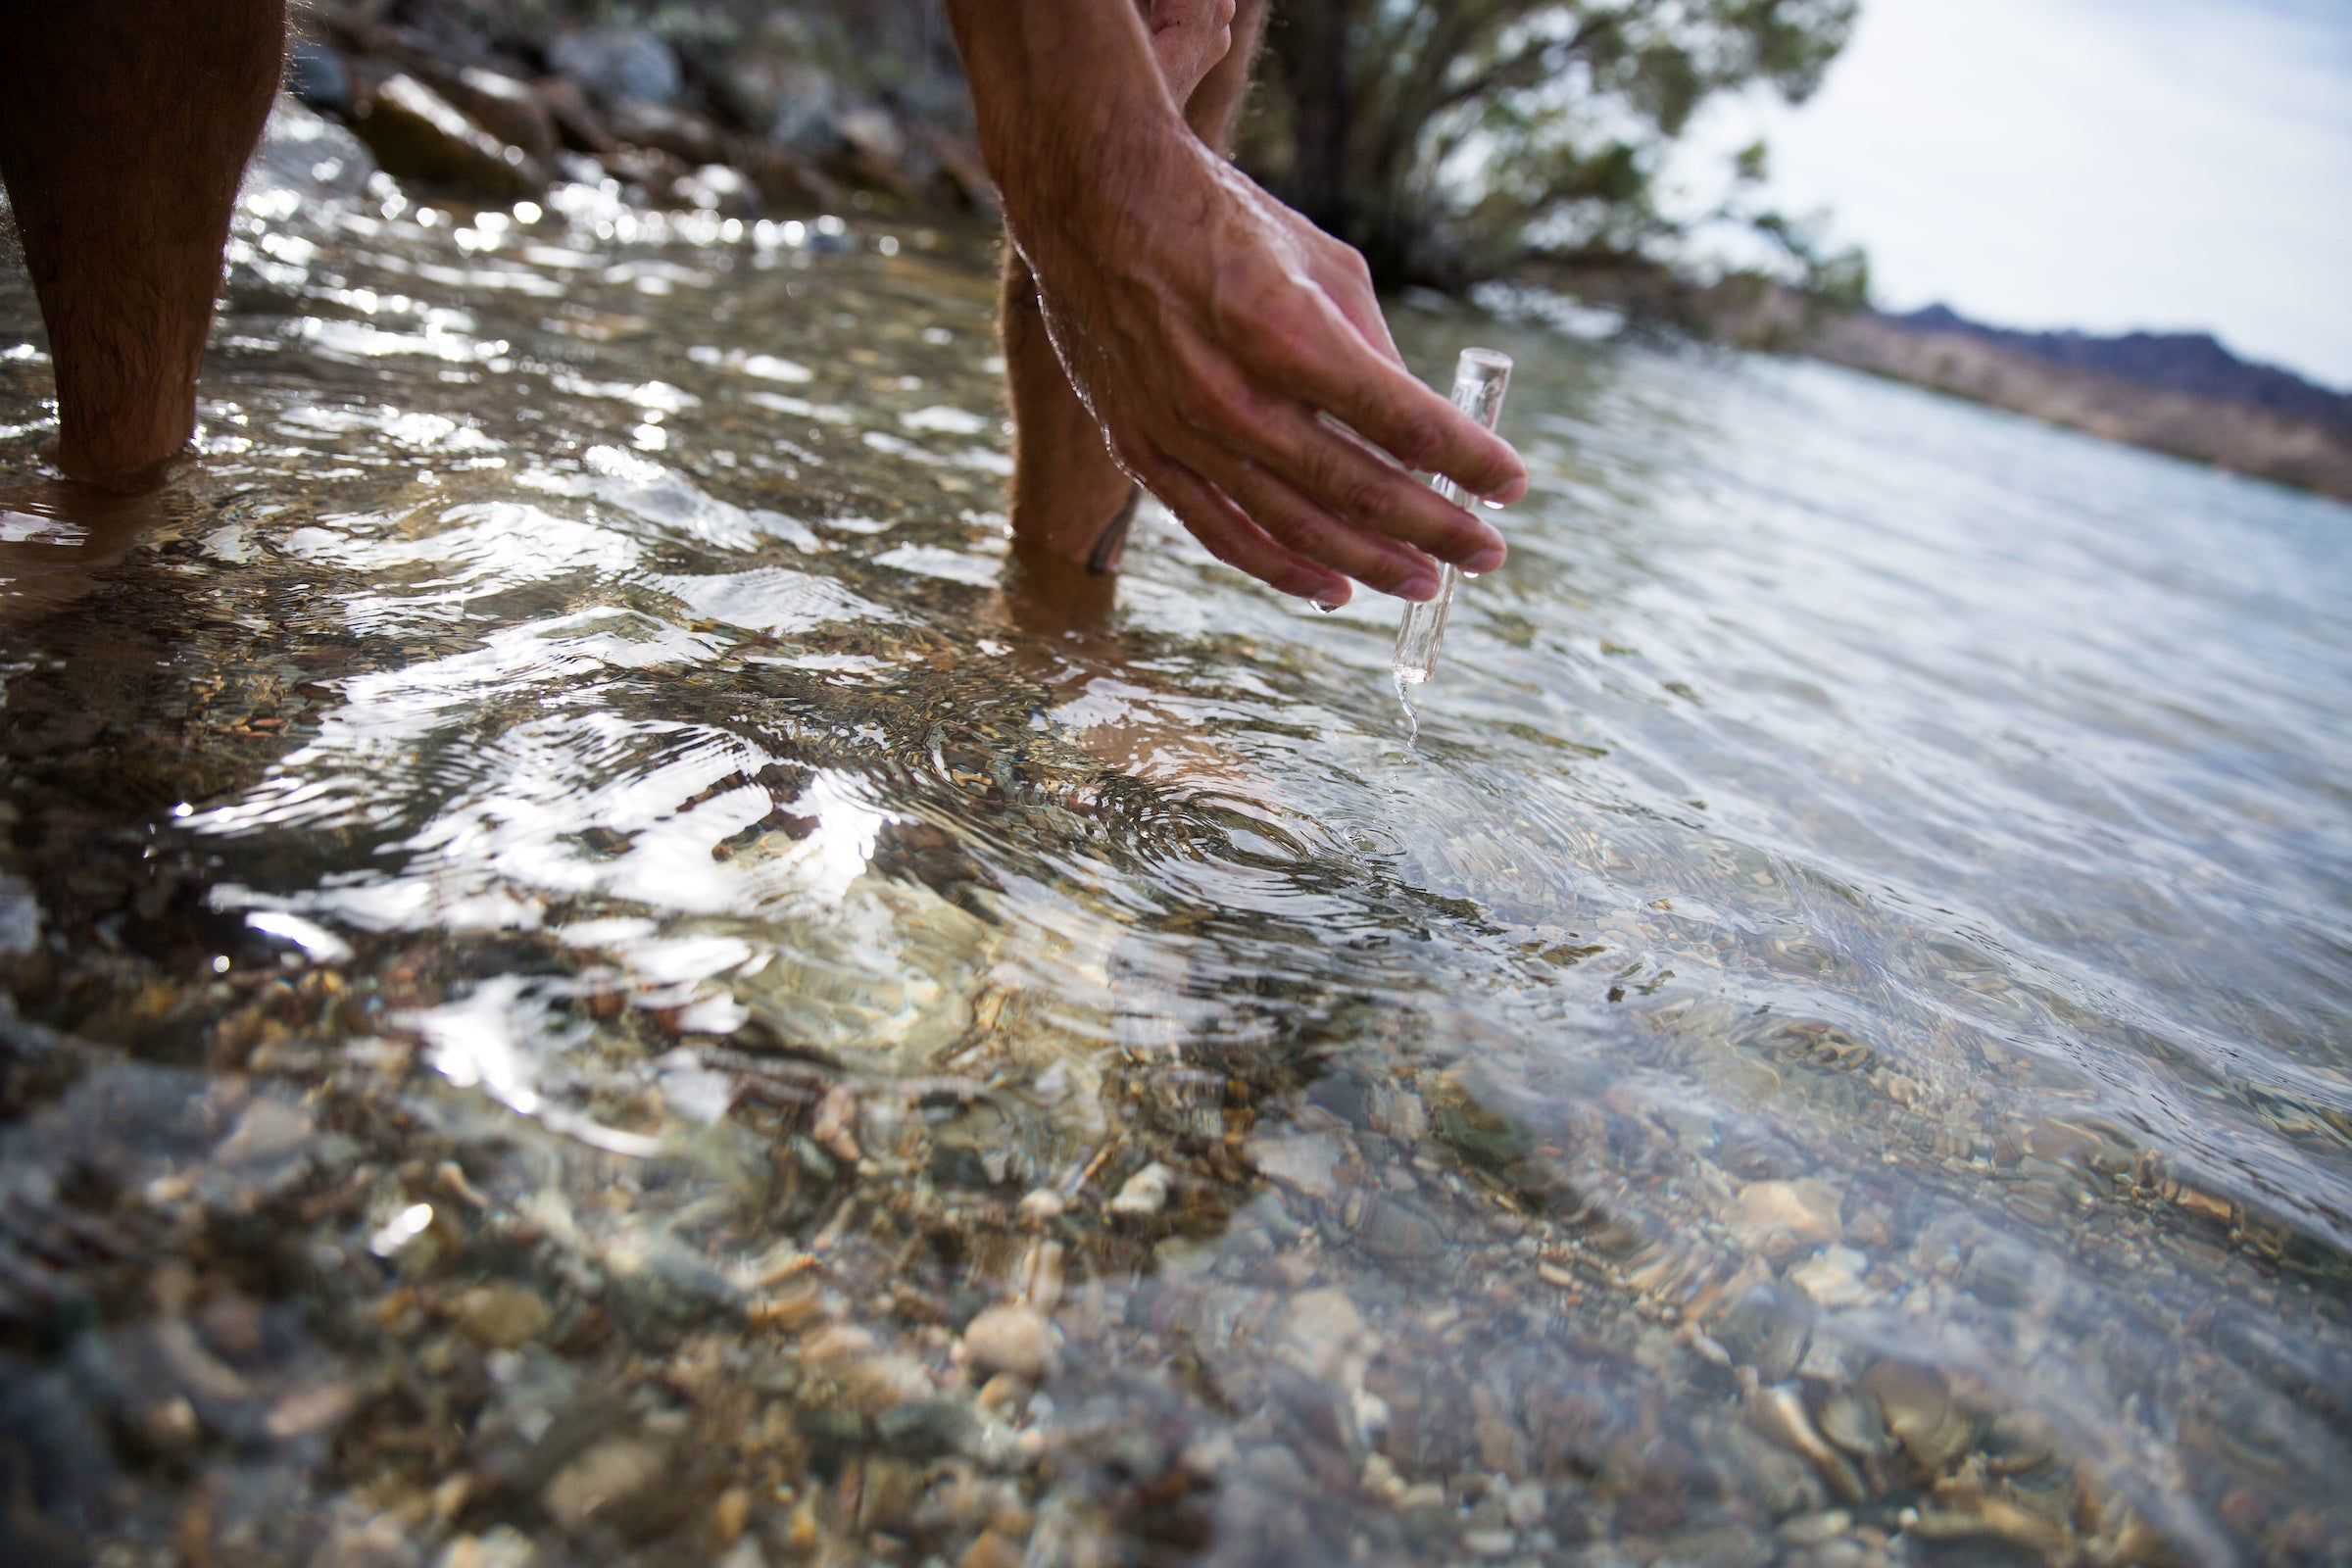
[2194,362]
[2184,394]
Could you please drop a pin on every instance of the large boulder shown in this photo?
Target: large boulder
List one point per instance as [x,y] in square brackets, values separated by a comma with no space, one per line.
[415,133]
[505,108]
[678,131]
[790,186]
[577,122]
[617,62]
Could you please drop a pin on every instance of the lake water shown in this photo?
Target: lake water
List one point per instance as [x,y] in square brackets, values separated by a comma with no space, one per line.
[598,977]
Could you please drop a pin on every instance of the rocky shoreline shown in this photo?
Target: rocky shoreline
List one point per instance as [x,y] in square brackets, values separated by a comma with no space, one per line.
[764,117]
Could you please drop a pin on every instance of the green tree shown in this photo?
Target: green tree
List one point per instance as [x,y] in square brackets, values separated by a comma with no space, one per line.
[1445,138]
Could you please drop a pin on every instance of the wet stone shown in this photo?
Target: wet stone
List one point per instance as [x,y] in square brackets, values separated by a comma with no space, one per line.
[1778,1218]
[1767,1328]
[607,1480]
[1015,1339]
[1398,1231]
[503,1317]
[1816,1529]
[594,619]
[1306,1162]
[927,1429]
[1143,1194]
[417,133]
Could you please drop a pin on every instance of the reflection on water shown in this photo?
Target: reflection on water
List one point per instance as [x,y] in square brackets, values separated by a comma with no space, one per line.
[599,975]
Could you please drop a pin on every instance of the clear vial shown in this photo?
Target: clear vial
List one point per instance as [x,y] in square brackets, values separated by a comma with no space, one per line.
[1481,376]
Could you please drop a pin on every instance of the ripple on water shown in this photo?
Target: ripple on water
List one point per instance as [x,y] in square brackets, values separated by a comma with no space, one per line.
[1831,1042]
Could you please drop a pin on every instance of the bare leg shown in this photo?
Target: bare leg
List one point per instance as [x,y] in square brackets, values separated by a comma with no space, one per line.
[124,126]
[1069,498]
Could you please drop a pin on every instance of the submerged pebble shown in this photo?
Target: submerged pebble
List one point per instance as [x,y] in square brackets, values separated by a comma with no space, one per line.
[592,987]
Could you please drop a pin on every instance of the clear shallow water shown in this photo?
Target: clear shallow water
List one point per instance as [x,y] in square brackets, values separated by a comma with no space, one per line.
[626,988]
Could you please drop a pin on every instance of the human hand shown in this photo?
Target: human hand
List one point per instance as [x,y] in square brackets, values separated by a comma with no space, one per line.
[1187,40]
[1219,340]
[1215,335]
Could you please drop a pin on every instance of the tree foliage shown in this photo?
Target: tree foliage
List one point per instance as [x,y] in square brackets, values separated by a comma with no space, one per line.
[1445,137]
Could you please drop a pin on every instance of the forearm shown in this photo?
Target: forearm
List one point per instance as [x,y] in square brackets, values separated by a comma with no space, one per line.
[1065,92]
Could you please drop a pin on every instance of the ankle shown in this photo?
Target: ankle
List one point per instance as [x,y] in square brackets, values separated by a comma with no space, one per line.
[126,455]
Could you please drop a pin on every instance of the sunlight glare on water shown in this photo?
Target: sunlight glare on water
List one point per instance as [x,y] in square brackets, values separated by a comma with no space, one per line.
[586,944]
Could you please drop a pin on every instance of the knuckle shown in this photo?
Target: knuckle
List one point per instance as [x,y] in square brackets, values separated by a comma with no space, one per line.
[1366,499]
[1420,438]
[1308,533]
[1199,395]
[1284,326]
[1192,402]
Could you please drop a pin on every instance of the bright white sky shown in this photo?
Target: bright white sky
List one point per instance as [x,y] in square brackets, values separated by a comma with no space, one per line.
[2100,164]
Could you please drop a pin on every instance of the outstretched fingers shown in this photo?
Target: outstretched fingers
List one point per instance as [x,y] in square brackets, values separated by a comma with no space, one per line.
[1228,533]
[1346,478]
[1311,531]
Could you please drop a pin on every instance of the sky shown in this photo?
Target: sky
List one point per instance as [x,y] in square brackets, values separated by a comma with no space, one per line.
[2108,164]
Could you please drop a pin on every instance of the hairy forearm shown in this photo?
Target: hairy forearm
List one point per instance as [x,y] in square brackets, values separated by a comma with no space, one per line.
[1065,92]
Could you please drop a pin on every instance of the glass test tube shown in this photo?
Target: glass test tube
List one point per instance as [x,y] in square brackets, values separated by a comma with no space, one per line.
[1481,376]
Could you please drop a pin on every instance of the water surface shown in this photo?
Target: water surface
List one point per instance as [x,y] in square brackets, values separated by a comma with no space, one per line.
[597,976]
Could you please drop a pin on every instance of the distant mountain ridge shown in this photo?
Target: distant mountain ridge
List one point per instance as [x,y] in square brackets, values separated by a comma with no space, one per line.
[2194,362]
[2182,393]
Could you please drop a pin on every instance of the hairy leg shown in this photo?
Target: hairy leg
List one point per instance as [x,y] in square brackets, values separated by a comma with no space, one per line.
[1069,498]
[124,126]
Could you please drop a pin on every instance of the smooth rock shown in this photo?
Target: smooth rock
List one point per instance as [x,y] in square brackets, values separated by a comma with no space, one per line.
[1725,1545]
[1306,1162]
[506,109]
[789,183]
[840,1342]
[1779,1218]
[1011,1338]
[927,1429]
[614,1473]
[1833,1277]
[1400,1232]
[879,1383]
[1851,1421]
[415,133]
[689,137]
[994,1549]
[717,189]
[1041,1205]
[503,1547]
[1919,1410]
[318,160]
[269,1130]
[1320,1329]
[619,63]
[577,122]
[1143,1194]
[501,1318]
[1814,1529]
